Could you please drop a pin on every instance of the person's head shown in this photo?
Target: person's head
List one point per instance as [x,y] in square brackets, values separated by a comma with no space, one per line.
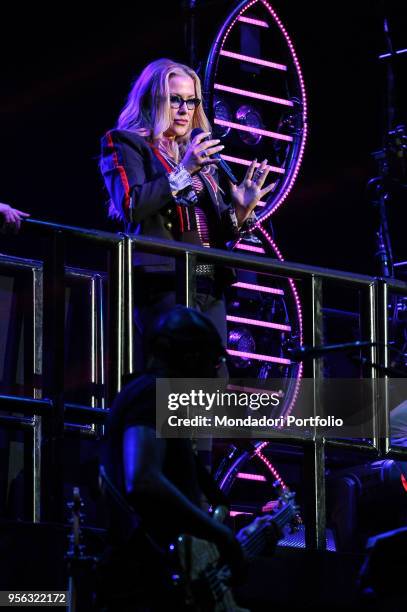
[155,109]
[186,344]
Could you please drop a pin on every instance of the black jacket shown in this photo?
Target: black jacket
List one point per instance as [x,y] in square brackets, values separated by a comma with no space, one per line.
[139,189]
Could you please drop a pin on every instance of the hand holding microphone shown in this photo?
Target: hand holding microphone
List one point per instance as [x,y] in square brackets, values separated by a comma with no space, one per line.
[245,195]
[198,135]
[199,151]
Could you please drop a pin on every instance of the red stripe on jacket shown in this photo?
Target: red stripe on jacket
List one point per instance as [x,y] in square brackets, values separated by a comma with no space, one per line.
[168,168]
[161,158]
[122,174]
[212,181]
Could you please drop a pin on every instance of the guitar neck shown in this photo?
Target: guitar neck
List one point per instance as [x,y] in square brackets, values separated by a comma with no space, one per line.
[253,542]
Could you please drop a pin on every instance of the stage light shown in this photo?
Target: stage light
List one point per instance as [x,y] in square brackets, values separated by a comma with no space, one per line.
[223,115]
[257,103]
[250,117]
[241,341]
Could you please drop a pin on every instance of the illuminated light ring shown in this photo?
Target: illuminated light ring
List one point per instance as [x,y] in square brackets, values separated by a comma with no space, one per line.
[227,472]
[275,251]
[259,357]
[256,22]
[259,323]
[261,288]
[290,280]
[299,315]
[219,53]
[254,130]
[268,463]
[294,154]
[249,247]
[246,162]
[256,95]
[248,476]
[254,60]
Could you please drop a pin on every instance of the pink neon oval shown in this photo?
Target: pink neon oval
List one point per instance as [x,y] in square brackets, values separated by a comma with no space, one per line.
[242,15]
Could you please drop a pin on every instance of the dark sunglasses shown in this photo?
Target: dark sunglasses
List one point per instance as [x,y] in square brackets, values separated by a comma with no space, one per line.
[177,102]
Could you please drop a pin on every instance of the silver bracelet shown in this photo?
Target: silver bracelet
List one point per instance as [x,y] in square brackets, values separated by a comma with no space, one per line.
[247,225]
[250,221]
[179,178]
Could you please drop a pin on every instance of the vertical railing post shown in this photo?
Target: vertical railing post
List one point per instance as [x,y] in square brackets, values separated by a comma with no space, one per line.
[382,360]
[100,341]
[37,321]
[368,331]
[54,370]
[314,453]
[315,504]
[128,331]
[94,343]
[97,349]
[115,321]
[186,280]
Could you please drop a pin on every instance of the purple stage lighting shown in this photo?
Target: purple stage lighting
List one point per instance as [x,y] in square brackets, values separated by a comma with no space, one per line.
[253,94]
[251,37]
[253,60]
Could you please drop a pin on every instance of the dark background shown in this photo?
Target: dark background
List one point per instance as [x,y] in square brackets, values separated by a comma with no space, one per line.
[66,73]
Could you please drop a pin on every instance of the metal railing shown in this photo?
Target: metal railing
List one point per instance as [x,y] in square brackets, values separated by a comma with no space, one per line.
[47,412]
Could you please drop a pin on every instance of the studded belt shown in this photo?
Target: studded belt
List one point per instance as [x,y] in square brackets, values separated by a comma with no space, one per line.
[205,269]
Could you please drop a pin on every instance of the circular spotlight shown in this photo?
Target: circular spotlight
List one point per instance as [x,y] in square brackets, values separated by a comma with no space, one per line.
[223,114]
[241,341]
[247,115]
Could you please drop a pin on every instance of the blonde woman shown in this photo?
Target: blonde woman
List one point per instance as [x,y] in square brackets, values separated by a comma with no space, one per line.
[164,185]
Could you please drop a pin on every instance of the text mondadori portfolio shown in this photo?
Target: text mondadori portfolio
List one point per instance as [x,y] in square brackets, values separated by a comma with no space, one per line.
[250,421]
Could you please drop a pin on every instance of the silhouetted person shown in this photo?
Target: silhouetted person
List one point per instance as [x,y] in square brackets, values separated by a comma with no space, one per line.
[160,479]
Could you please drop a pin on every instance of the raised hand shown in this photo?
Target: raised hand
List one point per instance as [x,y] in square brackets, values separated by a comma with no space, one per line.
[246,195]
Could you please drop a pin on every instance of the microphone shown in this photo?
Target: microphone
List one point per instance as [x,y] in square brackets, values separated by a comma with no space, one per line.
[222,165]
[311,352]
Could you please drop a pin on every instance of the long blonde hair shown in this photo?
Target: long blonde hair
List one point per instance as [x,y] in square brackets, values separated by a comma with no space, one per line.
[147,110]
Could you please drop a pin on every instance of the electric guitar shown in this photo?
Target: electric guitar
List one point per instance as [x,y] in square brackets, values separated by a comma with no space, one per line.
[206,579]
